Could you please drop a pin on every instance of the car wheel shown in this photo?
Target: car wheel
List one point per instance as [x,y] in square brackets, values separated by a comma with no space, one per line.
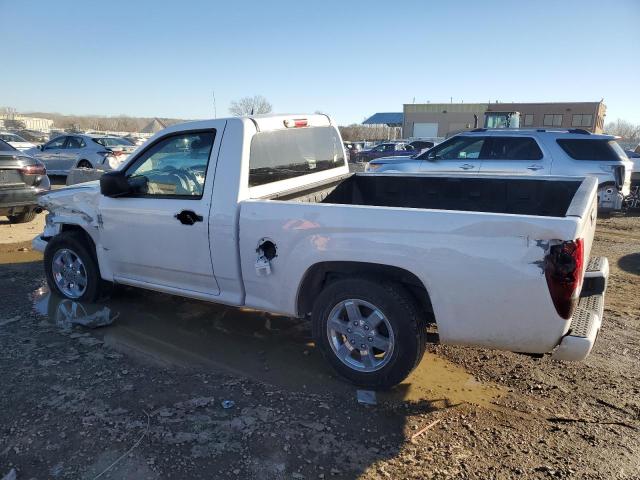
[372,333]
[84,164]
[72,269]
[24,217]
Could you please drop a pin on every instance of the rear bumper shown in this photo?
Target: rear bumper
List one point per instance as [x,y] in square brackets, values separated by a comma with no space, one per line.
[587,319]
[18,199]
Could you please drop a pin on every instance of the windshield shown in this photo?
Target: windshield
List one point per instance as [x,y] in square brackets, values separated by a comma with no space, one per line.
[282,154]
[5,147]
[10,137]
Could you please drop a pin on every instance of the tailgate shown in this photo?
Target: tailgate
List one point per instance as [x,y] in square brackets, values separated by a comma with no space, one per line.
[584,207]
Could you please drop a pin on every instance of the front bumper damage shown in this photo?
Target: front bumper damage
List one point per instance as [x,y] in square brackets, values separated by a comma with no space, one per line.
[587,319]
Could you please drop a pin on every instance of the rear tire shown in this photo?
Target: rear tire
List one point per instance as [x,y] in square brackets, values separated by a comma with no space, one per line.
[400,328]
[24,217]
[78,247]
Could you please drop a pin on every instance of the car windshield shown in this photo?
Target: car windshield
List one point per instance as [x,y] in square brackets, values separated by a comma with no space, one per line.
[5,147]
[10,137]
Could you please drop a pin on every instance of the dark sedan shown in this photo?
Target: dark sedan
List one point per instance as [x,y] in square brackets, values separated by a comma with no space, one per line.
[22,179]
[387,150]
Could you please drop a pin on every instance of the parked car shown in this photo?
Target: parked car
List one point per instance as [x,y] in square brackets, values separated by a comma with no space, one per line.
[82,151]
[34,136]
[390,149]
[421,145]
[352,149]
[22,179]
[284,227]
[527,152]
[16,141]
[135,140]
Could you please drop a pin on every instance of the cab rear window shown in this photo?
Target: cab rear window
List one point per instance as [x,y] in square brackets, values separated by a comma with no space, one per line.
[592,149]
[282,154]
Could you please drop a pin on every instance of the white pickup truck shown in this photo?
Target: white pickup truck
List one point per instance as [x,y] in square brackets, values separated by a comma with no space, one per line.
[262,212]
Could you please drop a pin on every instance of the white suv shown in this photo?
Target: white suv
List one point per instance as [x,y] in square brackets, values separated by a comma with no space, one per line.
[574,152]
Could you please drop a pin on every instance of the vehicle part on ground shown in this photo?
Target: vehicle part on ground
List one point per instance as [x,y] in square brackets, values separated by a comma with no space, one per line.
[632,201]
[372,333]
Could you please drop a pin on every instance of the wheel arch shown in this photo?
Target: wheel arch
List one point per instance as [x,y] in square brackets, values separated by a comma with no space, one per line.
[84,160]
[321,274]
[73,227]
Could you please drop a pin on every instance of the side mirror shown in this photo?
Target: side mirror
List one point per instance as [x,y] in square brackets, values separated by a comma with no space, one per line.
[114,184]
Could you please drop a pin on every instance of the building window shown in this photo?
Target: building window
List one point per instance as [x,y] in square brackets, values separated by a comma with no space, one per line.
[552,120]
[582,120]
[528,120]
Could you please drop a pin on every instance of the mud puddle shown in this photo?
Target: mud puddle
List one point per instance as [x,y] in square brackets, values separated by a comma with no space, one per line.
[174,331]
[18,253]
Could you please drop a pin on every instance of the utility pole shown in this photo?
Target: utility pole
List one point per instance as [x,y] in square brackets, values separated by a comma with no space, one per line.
[215,112]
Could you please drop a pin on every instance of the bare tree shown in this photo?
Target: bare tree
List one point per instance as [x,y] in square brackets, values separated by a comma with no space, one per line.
[357,131]
[250,106]
[626,130]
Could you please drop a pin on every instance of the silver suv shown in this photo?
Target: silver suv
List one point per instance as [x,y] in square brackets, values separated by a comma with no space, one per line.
[575,153]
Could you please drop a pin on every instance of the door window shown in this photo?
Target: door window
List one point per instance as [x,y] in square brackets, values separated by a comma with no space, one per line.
[457,148]
[175,166]
[75,142]
[513,148]
[56,143]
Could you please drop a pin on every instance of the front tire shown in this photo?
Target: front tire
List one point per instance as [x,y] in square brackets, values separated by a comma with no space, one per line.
[372,333]
[24,217]
[72,269]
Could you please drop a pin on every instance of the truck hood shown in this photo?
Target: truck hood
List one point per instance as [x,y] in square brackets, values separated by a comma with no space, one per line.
[80,200]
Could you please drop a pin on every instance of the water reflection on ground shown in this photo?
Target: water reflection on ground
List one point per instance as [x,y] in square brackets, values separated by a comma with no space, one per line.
[171,330]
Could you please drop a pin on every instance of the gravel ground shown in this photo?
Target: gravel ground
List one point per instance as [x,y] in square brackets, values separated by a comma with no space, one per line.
[143,396]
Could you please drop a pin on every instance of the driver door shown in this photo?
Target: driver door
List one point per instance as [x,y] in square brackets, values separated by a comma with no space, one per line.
[460,154]
[52,155]
[158,235]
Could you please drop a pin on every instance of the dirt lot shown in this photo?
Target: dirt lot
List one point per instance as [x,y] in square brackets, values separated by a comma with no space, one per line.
[142,397]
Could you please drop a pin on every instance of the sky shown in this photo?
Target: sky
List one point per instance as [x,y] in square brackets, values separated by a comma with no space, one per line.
[349,59]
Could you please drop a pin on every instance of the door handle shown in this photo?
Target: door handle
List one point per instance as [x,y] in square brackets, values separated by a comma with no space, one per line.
[188,217]
[535,167]
[466,166]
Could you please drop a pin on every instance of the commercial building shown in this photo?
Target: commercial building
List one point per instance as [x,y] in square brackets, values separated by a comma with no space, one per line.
[438,120]
[30,123]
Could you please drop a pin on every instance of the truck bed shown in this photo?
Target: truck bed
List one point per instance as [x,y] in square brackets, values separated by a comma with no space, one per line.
[535,196]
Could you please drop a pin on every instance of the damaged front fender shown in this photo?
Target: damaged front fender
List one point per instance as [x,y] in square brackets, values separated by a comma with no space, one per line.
[77,205]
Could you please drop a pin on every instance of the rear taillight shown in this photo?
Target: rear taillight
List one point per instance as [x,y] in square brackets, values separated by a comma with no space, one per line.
[563,268]
[34,170]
